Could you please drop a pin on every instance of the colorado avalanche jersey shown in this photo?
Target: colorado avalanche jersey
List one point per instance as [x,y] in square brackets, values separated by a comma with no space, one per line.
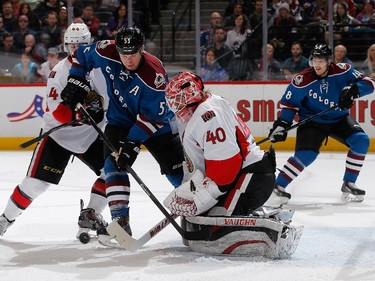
[136,98]
[76,139]
[308,95]
[217,142]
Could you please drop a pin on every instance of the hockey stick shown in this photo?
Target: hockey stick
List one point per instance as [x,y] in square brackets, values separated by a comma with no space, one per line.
[198,235]
[42,136]
[131,244]
[301,123]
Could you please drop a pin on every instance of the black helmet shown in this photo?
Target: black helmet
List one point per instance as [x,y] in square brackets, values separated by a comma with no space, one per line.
[321,51]
[129,40]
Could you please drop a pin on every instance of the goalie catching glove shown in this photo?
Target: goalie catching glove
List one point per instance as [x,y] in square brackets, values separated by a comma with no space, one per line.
[75,91]
[348,95]
[193,197]
[278,133]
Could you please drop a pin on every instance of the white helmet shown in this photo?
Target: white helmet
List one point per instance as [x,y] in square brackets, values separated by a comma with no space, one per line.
[77,33]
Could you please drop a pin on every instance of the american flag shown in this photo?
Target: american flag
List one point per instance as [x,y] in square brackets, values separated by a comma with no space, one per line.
[34,110]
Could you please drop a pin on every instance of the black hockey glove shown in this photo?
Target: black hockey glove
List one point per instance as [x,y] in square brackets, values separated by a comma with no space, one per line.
[75,91]
[128,152]
[348,95]
[277,133]
[93,104]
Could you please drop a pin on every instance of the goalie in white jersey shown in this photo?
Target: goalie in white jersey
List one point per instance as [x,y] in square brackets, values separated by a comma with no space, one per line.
[52,153]
[229,180]
[229,171]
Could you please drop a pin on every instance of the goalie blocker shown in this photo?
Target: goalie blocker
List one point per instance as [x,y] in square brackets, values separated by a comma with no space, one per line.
[269,235]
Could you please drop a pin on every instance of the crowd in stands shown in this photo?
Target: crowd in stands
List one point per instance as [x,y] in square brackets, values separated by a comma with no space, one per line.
[289,22]
[32,32]
[231,47]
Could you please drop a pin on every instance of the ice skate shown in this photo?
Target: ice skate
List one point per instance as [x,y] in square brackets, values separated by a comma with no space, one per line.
[4,224]
[89,220]
[351,193]
[278,197]
[105,239]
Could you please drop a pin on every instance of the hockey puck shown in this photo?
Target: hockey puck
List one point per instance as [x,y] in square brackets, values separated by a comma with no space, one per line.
[84,238]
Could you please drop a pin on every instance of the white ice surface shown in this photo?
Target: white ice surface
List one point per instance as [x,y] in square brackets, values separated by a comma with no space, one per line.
[338,242]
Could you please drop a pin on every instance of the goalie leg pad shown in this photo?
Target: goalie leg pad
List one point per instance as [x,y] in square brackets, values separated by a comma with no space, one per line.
[246,236]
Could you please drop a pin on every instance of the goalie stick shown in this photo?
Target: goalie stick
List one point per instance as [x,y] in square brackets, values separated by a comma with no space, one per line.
[42,136]
[128,242]
[188,235]
[312,117]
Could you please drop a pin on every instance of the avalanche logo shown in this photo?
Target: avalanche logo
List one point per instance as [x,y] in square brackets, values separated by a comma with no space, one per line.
[29,113]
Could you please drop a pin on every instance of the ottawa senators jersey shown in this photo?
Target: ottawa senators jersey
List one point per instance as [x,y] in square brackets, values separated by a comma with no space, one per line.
[217,142]
[76,139]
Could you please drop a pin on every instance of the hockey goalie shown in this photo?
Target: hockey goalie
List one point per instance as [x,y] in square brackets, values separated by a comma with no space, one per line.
[227,178]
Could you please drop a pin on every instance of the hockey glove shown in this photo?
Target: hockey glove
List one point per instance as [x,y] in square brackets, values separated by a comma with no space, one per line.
[278,133]
[193,197]
[75,91]
[127,154]
[94,106]
[348,95]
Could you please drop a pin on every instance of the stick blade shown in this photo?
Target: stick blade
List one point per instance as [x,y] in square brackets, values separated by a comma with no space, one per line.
[121,236]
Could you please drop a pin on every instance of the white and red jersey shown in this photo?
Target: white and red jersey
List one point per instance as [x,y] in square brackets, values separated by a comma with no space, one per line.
[217,142]
[76,139]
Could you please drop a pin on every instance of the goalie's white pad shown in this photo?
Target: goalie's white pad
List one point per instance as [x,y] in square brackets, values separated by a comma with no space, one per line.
[193,197]
[246,236]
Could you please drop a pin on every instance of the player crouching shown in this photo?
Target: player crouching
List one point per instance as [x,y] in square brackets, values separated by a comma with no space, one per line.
[229,180]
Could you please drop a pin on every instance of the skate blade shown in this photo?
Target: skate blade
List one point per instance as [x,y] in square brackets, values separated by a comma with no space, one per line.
[348,197]
[109,242]
[276,201]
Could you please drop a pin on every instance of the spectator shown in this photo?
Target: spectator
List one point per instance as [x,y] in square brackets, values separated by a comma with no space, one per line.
[22,30]
[314,11]
[43,9]
[34,22]
[2,30]
[38,52]
[351,7]
[45,68]
[339,55]
[117,20]
[229,20]
[367,15]
[10,53]
[62,21]
[91,20]
[16,4]
[274,66]
[10,21]
[343,20]
[52,29]
[296,63]
[284,22]
[223,53]
[60,47]
[211,69]
[369,63]
[26,70]
[8,47]
[207,36]
[239,33]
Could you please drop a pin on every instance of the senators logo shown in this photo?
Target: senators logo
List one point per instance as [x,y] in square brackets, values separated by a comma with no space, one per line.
[208,115]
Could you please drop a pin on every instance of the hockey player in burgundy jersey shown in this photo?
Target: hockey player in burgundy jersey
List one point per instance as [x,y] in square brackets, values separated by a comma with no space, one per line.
[137,113]
[52,153]
[228,170]
[312,91]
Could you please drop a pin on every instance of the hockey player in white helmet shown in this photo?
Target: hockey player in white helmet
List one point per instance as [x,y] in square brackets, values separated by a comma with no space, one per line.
[231,178]
[55,150]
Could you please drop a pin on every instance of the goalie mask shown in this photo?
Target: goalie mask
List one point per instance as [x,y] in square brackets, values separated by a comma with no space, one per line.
[76,33]
[183,94]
